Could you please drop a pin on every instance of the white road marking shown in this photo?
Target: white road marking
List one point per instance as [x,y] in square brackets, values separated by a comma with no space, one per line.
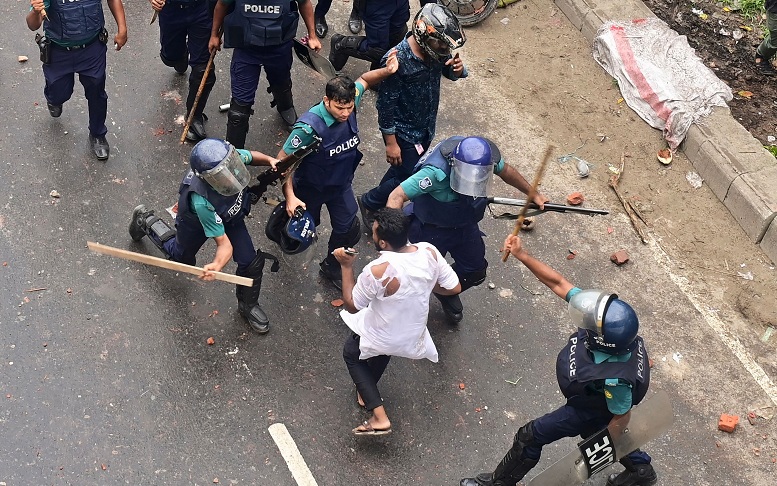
[717,325]
[294,460]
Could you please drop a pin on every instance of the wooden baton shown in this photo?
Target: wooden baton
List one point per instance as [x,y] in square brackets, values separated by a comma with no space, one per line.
[530,196]
[168,264]
[197,97]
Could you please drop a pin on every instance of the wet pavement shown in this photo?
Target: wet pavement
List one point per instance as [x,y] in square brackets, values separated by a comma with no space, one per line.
[106,376]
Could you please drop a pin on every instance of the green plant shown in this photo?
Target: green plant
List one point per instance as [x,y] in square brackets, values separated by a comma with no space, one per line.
[751,9]
[772,149]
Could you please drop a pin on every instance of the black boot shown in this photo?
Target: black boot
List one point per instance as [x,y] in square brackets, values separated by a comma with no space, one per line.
[452,306]
[332,271]
[764,65]
[99,146]
[634,475]
[54,110]
[248,297]
[197,128]
[145,223]
[355,19]
[321,27]
[482,479]
[342,47]
[283,101]
[237,123]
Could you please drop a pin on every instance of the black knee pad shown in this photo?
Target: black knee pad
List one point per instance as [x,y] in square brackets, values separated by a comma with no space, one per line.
[198,71]
[237,123]
[354,233]
[282,96]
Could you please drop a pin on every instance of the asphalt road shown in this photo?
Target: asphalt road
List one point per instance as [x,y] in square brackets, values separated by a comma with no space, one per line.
[106,376]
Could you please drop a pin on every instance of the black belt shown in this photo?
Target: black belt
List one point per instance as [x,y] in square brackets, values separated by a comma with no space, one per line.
[75,48]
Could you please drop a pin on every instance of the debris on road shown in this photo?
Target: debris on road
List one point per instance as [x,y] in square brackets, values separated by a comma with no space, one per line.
[619,257]
[575,199]
[728,423]
[627,206]
[337,303]
[211,341]
[491,285]
[665,156]
[572,254]
[694,179]
[23,58]
[54,193]
[461,386]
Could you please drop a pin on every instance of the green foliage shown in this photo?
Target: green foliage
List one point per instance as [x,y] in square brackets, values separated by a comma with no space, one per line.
[772,149]
[751,9]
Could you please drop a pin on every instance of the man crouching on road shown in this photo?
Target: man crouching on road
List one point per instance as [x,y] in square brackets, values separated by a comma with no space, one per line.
[387,309]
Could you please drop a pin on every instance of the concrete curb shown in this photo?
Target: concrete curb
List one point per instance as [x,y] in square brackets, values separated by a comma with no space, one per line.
[740,172]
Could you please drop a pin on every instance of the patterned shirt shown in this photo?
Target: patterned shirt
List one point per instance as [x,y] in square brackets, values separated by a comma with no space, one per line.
[408,100]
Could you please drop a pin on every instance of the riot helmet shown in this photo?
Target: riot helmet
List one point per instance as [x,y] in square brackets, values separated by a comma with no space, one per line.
[218,163]
[293,235]
[611,325]
[437,31]
[472,164]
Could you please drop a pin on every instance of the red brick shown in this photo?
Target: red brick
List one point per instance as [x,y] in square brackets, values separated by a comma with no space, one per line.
[728,423]
[619,257]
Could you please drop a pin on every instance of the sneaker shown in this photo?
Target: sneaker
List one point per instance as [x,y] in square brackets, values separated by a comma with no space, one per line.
[638,475]
[137,226]
[54,110]
[764,66]
[332,272]
[99,146]
[368,216]
[482,479]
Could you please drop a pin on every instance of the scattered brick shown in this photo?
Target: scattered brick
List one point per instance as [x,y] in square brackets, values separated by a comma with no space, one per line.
[728,423]
[619,257]
[575,199]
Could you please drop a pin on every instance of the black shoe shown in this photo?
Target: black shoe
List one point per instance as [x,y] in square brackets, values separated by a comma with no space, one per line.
[338,60]
[196,130]
[764,67]
[333,273]
[289,117]
[182,65]
[640,475]
[482,479]
[137,226]
[255,316]
[355,22]
[100,147]
[368,216]
[54,110]
[452,306]
[321,27]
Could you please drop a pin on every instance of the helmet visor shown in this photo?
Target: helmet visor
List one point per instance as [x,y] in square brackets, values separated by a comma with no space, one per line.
[587,308]
[471,180]
[230,176]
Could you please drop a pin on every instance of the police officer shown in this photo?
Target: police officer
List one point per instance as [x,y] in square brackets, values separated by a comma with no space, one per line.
[603,371]
[184,33]
[325,176]
[212,203]
[322,8]
[449,191]
[75,42]
[385,23]
[261,33]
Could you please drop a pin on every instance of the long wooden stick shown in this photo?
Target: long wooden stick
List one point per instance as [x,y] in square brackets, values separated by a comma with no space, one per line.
[614,179]
[168,264]
[199,93]
[530,196]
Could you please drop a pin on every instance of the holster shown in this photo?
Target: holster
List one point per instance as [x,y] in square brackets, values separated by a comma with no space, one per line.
[103,36]
[44,44]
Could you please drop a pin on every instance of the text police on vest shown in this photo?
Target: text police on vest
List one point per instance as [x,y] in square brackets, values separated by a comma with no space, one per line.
[270,9]
[347,145]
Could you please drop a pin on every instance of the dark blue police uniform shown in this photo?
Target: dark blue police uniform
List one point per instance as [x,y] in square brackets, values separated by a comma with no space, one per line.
[184,33]
[261,34]
[451,226]
[325,177]
[74,30]
[190,235]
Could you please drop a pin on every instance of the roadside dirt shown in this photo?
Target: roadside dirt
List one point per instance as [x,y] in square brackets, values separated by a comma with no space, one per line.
[578,107]
[732,60]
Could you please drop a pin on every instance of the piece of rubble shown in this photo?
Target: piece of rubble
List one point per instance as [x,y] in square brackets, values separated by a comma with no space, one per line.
[665,156]
[728,423]
[575,199]
[619,257]
[23,58]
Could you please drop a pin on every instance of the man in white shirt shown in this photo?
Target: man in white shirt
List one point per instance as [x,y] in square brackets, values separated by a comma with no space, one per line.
[387,309]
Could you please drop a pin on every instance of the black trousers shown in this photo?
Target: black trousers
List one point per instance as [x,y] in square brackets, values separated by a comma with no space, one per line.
[365,373]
